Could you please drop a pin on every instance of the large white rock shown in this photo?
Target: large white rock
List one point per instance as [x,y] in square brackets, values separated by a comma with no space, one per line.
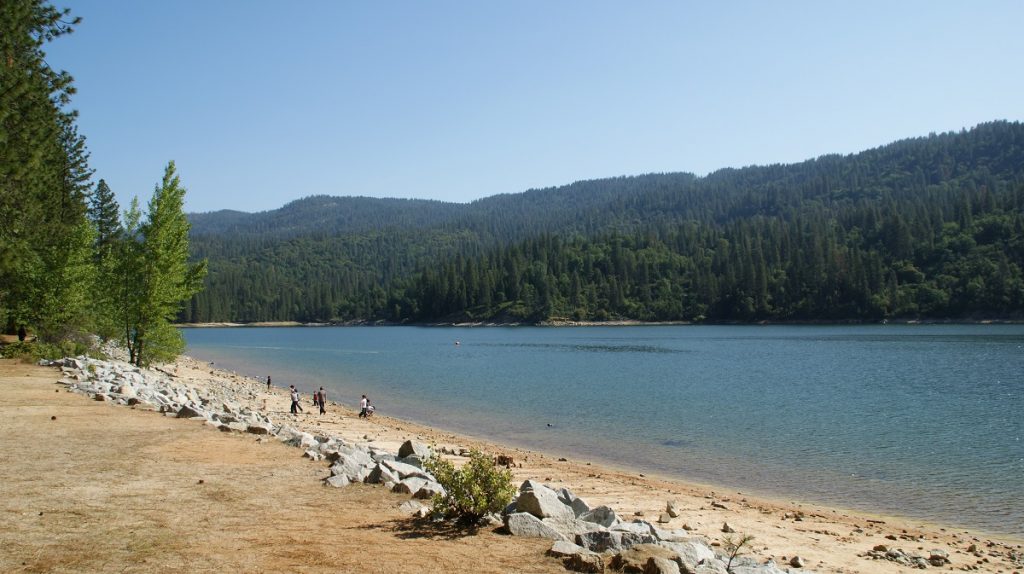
[602,515]
[406,470]
[337,481]
[410,485]
[542,502]
[641,527]
[428,490]
[692,551]
[351,467]
[410,447]
[526,524]
[381,474]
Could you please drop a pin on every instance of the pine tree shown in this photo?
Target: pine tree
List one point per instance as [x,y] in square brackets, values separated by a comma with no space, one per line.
[103,211]
[43,173]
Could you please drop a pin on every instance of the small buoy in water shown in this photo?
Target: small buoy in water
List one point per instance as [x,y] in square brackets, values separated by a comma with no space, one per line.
[457,343]
[549,424]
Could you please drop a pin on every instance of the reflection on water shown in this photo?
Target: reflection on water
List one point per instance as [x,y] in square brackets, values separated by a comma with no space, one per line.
[923,421]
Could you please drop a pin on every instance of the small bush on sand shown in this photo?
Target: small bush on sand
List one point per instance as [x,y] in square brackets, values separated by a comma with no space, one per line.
[473,491]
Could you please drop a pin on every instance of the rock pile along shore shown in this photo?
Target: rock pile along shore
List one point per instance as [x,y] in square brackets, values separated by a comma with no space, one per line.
[585,538]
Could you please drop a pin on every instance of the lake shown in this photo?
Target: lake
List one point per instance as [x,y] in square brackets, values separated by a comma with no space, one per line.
[921,421]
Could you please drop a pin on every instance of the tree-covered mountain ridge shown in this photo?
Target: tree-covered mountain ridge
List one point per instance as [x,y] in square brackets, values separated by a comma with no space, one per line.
[923,227]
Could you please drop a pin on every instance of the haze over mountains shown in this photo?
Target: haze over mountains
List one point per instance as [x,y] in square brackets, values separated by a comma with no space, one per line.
[925,227]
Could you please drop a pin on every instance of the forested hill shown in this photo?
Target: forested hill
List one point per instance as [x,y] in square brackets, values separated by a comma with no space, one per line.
[926,227]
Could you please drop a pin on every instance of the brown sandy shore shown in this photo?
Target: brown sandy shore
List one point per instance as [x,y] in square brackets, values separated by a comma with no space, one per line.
[88,486]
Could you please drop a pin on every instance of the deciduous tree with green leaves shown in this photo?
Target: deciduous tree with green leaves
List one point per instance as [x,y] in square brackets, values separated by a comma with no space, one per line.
[153,275]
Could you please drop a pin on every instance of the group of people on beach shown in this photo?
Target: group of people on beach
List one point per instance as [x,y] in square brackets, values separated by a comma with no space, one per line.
[320,400]
[365,408]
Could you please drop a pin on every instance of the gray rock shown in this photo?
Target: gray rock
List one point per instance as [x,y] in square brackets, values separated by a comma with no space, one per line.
[938,557]
[631,539]
[350,467]
[529,484]
[429,489]
[602,515]
[381,474]
[410,447]
[542,502]
[410,485]
[600,540]
[713,567]
[641,527]
[258,428]
[526,524]
[412,460]
[577,504]
[659,565]
[584,562]
[675,535]
[563,548]
[570,527]
[640,559]
[410,507]
[672,508]
[406,470]
[796,562]
[337,481]
[691,552]
[754,568]
[187,412]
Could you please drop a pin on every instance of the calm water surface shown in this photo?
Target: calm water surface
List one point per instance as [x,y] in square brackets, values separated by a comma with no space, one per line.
[923,421]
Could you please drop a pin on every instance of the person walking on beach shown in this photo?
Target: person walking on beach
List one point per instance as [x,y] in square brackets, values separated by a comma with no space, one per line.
[363,403]
[321,397]
[296,407]
[268,383]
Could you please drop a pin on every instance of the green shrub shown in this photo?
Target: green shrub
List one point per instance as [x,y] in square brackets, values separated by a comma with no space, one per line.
[31,352]
[473,491]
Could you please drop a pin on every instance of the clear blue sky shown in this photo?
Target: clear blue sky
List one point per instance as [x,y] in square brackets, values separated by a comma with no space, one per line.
[261,102]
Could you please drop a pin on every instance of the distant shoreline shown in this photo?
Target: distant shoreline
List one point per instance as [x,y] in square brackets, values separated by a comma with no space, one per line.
[618,323]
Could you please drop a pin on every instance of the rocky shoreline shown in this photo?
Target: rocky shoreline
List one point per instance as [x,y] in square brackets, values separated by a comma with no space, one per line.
[585,537]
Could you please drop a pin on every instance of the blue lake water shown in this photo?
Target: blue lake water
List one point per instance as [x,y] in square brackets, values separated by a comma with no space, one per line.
[923,421]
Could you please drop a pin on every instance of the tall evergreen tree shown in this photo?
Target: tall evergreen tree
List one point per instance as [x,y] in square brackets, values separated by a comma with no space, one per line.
[43,173]
[103,211]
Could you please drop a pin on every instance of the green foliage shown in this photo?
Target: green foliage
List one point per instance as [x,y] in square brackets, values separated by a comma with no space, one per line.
[923,228]
[152,276]
[103,212]
[44,177]
[32,352]
[473,491]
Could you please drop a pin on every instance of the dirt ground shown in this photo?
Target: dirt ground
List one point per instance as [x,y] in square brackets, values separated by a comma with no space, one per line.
[91,487]
[105,488]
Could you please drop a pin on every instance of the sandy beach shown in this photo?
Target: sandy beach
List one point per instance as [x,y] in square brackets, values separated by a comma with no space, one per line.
[92,486]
